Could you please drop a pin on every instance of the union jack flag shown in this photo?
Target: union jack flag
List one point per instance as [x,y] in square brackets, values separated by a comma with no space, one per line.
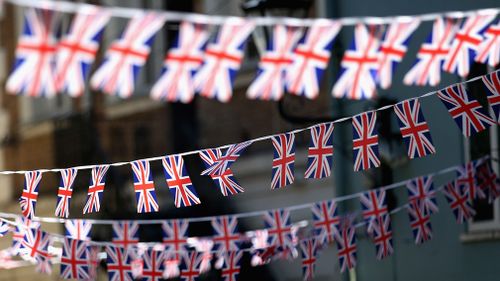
[283,161]
[226,236]
[320,153]
[489,50]
[466,179]
[310,58]
[94,260]
[326,221]
[179,183]
[466,44]
[365,141]
[36,244]
[96,188]
[144,187]
[488,181]
[222,60]
[175,238]
[393,48]
[44,265]
[459,202]
[492,83]
[359,65]
[125,57]
[181,63]
[65,192]
[34,67]
[432,53]
[119,264]
[467,112]
[420,221]
[30,193]
[270,81]
[414,128]
[374,207]
[346,245]
[226,182]
[125,233]
[78,229]
[4,228]
[75,260]
[77,50]
[421,189]
[382,236]
[22,226]
[309,252]
[190,268]
[230,156]
[231,267]
[279,228]
[153,265]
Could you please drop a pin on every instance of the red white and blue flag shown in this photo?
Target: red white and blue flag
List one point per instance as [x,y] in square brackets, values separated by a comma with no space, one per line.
[65,191]
[75,260]
[126,56]
[175,238]
[421,189]
[489,49]
[222,60]
[414,128]
[190,267]
[232,266]
[226,181]
[179,183]
[119,264]
[326,221]
[225,161]
[78,48]
[488,181]
[467,179]
[283,161]
[30,193]
[393,48]
[78,229]
[310,58]
[432,53]
[359,65]
[320,153]
[309,252]
[181,64]
[279,228]
[374,207]
[153,265]
[467,112]
[22,226]
[144,187]
[459,202]
[36,245]
[269,84]
[34,68]
[492,83]
[466,43]
[96,188]
[125,233]
[382,236]
[226,237]
[365,141]
[420,221]
[346,245]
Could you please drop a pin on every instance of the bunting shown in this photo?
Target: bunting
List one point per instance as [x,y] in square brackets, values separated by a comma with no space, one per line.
[320,152]
[179,183]
[125,234]
[492,84]
[153,265]
[283,161]
[489,49]
[421,191]
[226,182]
[326,221]
[365,141]
[226,236]
[119,264]
[78,229]
[96,188]
[65,192]
[346,245]
[459,202]
[144,187]
[227,159]
[232,266]
[420,221]
[309,252]
[74,260]
[30,193]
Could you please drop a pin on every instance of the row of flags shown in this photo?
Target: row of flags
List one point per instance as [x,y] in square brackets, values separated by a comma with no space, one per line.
[179,255]
[294,61]
[470,116]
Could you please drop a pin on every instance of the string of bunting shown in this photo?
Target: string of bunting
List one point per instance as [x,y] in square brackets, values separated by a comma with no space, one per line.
[294,61]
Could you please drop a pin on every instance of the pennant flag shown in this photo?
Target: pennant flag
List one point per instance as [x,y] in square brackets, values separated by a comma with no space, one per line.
[374,207]
[489,49]
[310,58]
[420,221]
[432,53]
[94,260]
[382,236]
[153,265]
[466,179]
[22,226]
[488,181]
[492,83]
[190,268]
[226,181]
[279,228]
[179,183]
[74,260]
[283,161]
[320,153]
[96,188]
[36,244]
[466,43]
[4,228]
[200,263]
[181,64]
[393,48]
[346,245]
[44,266]
[326,221]
[270,81]
[222,60]
[467,112]
[119,264]
[459,202]
[30,193]
[144,187]
[34,70]
[175,238]
[78,48]
[78,229]
[359,65]
[309,252]
[126,56]
[232,266]
[365,141]
[230,156]
[414,128]
[421,189]
[65,192]
[226,237]
[125,233]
